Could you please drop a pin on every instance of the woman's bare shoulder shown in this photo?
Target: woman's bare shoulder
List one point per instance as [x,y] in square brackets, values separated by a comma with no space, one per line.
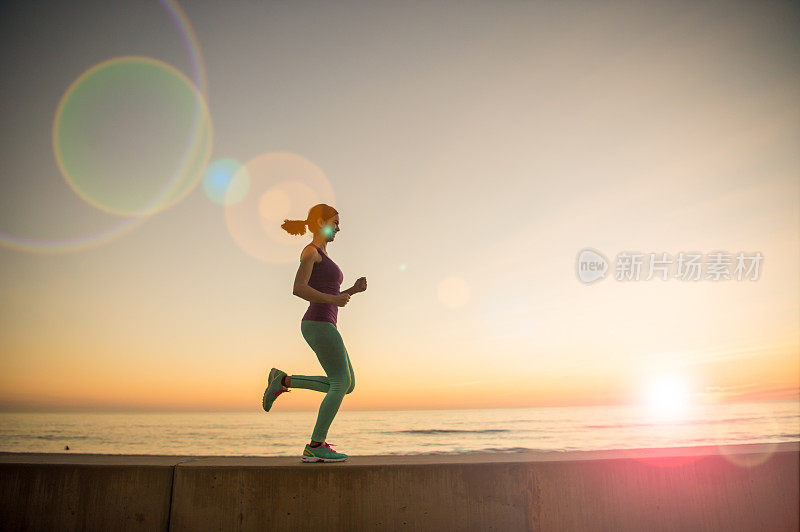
[310,251]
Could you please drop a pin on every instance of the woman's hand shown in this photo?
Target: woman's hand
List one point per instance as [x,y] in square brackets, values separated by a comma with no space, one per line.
[360,284]
[341,299]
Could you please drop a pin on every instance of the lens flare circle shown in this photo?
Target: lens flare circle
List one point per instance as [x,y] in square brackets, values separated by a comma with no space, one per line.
[190,42]
[274,205]
[750,459]
[128,224]
[132,135]
[218,179]
[757,454]
[282,185]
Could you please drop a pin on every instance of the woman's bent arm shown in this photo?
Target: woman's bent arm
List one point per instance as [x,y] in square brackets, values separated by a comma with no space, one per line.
[311,294]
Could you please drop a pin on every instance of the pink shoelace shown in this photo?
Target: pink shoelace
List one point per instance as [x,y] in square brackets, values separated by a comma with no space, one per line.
[326,444]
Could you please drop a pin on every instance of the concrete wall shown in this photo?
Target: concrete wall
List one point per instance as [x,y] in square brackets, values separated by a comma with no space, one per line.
[85,492]
[667,489]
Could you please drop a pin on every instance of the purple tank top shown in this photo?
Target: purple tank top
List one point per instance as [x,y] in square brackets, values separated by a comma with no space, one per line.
[325,277]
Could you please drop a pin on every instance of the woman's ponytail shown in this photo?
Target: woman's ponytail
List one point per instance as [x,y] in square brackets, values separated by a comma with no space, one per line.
[295,227]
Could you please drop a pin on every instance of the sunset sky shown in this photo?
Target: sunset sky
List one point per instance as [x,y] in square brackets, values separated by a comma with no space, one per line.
[472,150]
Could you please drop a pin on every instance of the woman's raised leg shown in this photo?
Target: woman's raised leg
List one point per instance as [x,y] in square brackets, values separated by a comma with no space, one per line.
[320,384]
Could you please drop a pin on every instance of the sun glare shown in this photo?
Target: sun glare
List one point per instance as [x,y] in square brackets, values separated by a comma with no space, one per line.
[668,397]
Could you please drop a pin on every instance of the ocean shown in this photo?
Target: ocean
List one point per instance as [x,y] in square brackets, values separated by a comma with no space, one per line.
[398,432]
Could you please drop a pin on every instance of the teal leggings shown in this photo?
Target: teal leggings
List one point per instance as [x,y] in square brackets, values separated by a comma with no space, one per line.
[325,340]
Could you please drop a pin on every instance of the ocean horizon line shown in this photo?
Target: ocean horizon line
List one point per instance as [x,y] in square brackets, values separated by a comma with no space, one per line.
[169,410]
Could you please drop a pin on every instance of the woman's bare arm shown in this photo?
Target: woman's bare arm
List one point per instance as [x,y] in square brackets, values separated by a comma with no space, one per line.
[301,288]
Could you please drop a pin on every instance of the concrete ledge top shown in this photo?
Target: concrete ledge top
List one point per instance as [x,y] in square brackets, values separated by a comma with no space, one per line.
[67,458]
[392,460]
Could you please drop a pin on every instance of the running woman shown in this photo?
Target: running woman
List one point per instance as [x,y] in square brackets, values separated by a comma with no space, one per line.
[318,281]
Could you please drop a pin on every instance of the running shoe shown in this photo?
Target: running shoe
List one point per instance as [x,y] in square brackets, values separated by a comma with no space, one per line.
[323,453]
[272,374]
[274,388]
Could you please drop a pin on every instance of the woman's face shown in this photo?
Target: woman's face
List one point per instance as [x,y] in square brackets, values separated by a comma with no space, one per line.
[330,227]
